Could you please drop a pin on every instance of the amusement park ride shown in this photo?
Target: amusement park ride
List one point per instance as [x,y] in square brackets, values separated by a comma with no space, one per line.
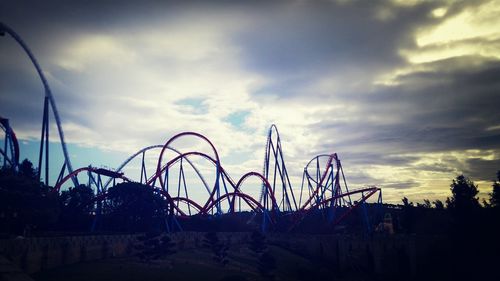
[324,187]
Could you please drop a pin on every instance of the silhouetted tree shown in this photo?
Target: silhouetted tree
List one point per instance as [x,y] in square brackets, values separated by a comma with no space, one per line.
[406,202]
[77,199]
[25,203]
[426,204]
[466,224]
[464,193]
[27,171]
[495,194]
[486,203]
[408,215]
[131,206]
[76,207]
[438,204]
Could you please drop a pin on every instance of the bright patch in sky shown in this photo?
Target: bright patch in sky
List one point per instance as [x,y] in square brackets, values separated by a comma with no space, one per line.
[196,106]
[237,119]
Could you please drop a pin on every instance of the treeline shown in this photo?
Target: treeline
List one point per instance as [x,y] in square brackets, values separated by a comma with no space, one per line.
[469,230]
[462,209]
[463,196]
[28,207]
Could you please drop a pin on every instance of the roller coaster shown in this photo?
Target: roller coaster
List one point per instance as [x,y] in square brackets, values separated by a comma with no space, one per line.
[10,151]
[194,182]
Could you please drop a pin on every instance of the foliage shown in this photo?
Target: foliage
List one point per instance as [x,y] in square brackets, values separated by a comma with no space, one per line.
[27,171]
[25,203]
[77,199]
[77,204]
[495,194]
[426,204]
[133,207]
[464,193]
[218,248]
[408,215]
[406,202]
[438,204]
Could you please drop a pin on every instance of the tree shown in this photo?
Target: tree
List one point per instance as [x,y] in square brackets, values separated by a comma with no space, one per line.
[25,203]
[425,205]
[77,198]
[27,171]
[464,193]
[132,206]
[406,202]
[467,222]
[495,194]
[76,207]
[438,204]
[408,215]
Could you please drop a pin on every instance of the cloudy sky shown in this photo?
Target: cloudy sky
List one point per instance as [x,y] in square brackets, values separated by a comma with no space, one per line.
[406,92]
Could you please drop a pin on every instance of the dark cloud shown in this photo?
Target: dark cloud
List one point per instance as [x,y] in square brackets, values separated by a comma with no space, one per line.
[446,108]
[299,43]
[374,158]
[429,111]
[21,100]
[440,168]
[481,169]
[311,38]
[359,178]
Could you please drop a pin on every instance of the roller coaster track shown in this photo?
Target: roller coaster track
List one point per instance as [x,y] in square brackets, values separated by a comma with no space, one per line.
[49,97]
[273,159]
[143,167]
[325,183]
[10,151]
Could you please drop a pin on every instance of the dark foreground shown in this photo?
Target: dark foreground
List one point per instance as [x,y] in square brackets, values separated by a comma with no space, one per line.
[195,264]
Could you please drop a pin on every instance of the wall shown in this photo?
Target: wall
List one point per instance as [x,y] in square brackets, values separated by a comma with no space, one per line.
[395,255]
[35,254]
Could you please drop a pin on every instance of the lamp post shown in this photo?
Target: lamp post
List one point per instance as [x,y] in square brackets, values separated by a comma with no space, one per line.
[49,100]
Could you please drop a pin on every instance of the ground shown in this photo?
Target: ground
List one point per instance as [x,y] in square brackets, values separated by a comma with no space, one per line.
[193,264]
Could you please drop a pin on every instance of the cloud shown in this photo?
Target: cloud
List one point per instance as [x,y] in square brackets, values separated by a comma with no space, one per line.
[402,185]
[483,169]
[405,102]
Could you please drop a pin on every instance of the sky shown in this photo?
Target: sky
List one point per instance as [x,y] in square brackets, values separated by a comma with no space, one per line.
[407,93]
